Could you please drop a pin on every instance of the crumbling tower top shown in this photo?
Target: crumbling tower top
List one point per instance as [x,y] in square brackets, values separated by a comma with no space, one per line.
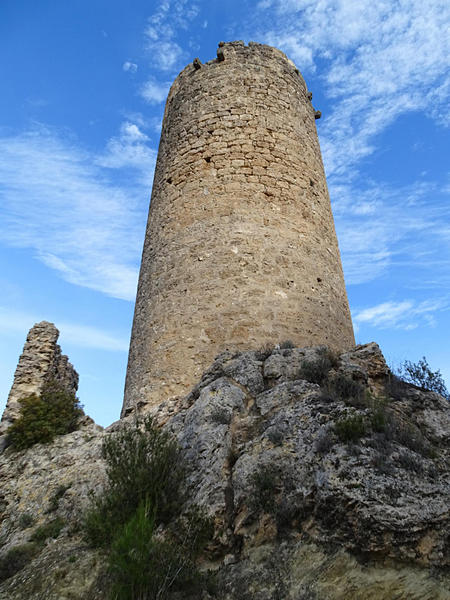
[240,249]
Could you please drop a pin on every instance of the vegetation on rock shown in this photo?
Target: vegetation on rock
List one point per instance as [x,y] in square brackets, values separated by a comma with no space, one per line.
[42,418]
[146,489]
[422,376]
[16,558]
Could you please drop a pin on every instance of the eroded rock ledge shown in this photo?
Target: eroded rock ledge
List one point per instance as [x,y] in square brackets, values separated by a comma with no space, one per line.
[330,491]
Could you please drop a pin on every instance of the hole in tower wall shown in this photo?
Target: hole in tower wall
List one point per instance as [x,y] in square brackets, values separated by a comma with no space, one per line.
[319,279]
[208,159]
[169,180]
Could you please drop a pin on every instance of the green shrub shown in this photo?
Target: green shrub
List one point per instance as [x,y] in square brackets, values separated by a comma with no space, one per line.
[143,565]
[275,435]
[56,497]
[347,389]
[350,429]
[16,559]
[287,345]
[422,376]
[142,465]
[264,485]
[25,520]
[315,371]
[52,529]
[221,415]
[136,558]
[41,418]
[410,461]
[379,419]
[146,488]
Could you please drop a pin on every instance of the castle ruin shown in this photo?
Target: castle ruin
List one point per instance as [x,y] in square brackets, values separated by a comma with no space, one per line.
[240,249]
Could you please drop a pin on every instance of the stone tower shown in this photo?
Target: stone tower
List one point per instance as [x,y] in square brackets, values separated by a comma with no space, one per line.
[240,249]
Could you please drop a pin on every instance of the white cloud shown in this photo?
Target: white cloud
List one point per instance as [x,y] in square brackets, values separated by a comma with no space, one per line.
[80,213]
[382,227]
[130,149]
[83,336]
[155,92]
[129,67]
[164,24]
[406,314]
[378,61]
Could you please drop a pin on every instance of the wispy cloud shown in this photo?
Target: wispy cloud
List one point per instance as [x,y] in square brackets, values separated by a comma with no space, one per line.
[154,92]
[381,227]
[129,67]
[164,46]
[80,212]
[406,314]
[130,149]
[83,336]
[378,60]
[162,30]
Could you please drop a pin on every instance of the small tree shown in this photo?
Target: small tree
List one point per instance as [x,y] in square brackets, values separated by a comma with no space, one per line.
[143,465]
[421,375]
[146,488]
[55,412]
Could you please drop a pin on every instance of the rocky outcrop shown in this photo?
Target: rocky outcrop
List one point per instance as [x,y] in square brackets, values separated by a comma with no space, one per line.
[326,479]
[40,362]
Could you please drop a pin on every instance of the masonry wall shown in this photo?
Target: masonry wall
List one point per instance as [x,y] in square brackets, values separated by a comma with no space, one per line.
[240,249]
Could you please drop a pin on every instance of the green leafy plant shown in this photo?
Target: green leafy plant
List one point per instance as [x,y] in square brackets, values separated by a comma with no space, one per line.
[145,489]
[143,464]
[347,389]
[52,529]
[264,484]
[380,419]
[315,371]
[41,418]
[56,497]
[145,565]
[287,345]
[422,376]
[16,559]
[351,429]
[25,520]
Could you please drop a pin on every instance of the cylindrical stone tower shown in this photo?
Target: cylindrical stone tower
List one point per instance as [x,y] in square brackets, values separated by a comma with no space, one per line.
[240,249]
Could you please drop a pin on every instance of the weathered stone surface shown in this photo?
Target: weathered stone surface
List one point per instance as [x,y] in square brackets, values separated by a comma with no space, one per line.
[29,480]
[40,362]
[361,497]
[366,520]
[240,249]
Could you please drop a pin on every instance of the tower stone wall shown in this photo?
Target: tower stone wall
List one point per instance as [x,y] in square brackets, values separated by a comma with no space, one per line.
[240,249]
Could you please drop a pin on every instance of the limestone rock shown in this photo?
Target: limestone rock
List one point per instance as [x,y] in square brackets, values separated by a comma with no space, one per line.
[300,513]
[40,362]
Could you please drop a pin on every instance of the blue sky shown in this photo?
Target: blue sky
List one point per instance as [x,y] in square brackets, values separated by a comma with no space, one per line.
[83,91]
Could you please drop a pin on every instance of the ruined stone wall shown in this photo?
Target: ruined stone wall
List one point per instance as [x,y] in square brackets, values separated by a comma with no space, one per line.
[240,249]
[41,361]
